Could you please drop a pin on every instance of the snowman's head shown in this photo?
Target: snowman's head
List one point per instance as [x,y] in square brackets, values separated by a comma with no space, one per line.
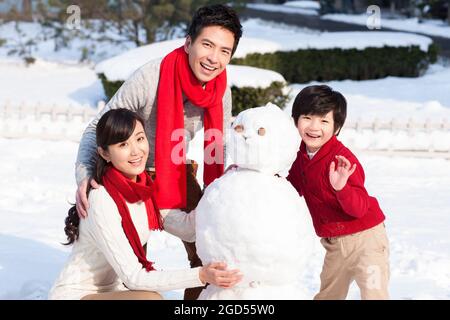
[264,139]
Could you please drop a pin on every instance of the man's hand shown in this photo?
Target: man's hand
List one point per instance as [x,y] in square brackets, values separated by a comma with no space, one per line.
[339,175]
[82,203]
[216,273]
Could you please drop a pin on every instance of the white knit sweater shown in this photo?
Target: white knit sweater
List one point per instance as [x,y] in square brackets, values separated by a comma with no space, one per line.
[102,259]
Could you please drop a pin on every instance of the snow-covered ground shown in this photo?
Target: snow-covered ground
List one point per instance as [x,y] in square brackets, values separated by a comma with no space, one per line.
[38,185]
[94,44]
[49,83]
[296,7]
[38,182]
[427,26]
[287,37]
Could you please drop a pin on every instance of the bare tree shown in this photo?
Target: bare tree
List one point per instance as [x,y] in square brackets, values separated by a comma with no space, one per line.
[27,10]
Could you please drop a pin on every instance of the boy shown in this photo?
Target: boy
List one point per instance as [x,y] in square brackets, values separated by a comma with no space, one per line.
[348,220]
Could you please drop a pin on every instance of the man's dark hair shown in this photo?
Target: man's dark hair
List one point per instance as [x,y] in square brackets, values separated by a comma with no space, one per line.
[216,15]
[319,100]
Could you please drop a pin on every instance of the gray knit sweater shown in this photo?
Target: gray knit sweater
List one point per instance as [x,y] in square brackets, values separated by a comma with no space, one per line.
[139,93]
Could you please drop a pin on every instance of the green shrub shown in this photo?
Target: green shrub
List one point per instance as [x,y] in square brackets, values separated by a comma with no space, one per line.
[110,87]
[248,97]
[307,65]
[243,98]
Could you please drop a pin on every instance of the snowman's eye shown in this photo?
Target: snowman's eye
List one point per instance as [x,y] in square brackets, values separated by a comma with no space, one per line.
[239,128]
[261,131]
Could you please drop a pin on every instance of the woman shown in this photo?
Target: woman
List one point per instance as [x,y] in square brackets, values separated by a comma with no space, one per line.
[108,259]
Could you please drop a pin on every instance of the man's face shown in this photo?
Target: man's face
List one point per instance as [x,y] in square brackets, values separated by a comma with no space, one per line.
[210,53]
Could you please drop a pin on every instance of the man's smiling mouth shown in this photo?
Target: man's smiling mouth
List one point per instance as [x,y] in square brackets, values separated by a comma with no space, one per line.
[209,68]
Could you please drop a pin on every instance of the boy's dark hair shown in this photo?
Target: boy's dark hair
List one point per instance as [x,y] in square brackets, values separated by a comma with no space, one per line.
[319,100]
[114,126]
[216,15]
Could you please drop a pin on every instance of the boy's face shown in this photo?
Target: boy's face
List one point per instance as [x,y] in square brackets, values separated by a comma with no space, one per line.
[210,53]
[316,130]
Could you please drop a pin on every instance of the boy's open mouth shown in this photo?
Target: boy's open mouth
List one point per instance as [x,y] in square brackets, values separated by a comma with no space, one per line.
[312,136]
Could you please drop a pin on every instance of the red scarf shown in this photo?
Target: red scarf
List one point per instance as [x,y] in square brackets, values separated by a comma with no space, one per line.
[176,78]
[123,190]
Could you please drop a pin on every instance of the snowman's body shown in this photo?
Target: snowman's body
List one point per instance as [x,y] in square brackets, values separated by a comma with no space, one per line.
[253,219]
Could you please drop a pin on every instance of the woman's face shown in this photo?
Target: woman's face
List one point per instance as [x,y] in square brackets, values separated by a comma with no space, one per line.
[130,156]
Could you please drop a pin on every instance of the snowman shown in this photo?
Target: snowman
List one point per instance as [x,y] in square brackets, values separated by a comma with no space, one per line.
[251,217]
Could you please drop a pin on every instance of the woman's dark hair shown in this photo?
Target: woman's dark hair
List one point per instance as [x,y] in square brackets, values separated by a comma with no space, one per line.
[114,126]
[319,100]
[216,15]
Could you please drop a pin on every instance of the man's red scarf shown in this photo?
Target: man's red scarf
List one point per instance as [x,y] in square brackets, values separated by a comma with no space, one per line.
[176,78]
[122,190]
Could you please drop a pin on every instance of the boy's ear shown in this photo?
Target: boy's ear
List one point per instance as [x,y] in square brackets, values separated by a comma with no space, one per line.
[104,154]
[338,130]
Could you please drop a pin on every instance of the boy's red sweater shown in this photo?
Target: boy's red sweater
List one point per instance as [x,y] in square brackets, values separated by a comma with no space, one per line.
[334,213]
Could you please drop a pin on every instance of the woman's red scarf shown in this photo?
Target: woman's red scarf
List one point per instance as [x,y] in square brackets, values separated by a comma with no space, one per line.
[176,78]
[123,190]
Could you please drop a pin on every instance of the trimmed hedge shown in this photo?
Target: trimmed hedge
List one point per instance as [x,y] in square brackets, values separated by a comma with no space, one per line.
[110,87]
[248,97]
[340,64]
[243,98]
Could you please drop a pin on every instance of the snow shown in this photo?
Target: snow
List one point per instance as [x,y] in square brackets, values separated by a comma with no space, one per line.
[263,37]
[56,79]
[306,9]
[49,83]
[95,44]
[394,97]
[413,193]
[245,200]
[244,76]
[122,66]
[38,182]
[289,38]
[428,26]
[305,4]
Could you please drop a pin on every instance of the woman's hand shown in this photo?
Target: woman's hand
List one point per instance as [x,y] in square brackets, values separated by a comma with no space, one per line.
[215,273]
[339,175]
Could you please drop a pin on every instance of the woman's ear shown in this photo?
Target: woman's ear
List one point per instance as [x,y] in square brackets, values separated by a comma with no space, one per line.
[104,154]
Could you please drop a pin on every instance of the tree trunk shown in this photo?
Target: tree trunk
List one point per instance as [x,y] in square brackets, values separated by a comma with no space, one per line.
[136,33]
[448,12]
[149,34]
[27,10]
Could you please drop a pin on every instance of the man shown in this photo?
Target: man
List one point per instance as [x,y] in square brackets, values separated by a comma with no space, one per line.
[184,91]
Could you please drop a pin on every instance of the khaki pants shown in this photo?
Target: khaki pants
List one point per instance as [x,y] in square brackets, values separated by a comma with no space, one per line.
[363,257]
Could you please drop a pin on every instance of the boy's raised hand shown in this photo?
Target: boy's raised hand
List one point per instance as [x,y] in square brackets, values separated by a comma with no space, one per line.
[339,175]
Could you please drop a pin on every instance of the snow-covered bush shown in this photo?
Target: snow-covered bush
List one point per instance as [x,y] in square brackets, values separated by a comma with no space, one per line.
[250,86]
[305,65]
